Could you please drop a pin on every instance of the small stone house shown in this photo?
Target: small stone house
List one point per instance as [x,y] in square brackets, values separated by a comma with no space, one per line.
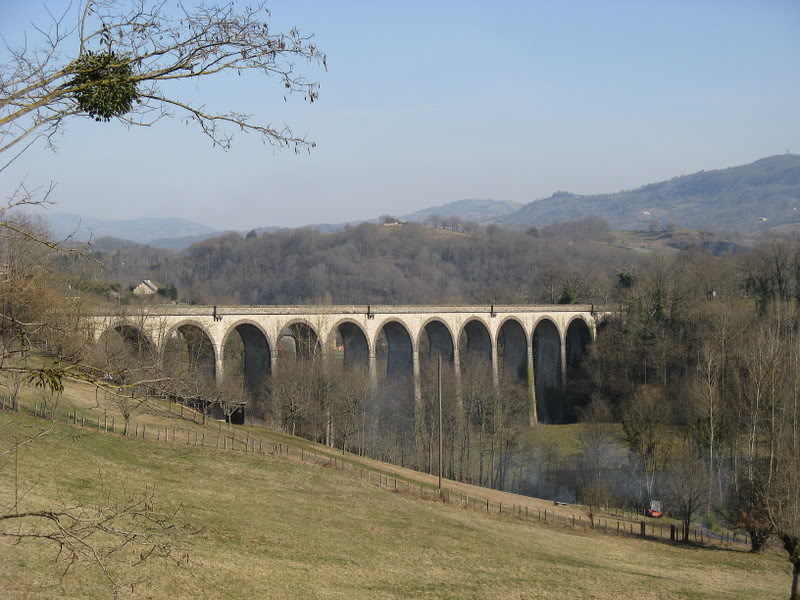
[146,288]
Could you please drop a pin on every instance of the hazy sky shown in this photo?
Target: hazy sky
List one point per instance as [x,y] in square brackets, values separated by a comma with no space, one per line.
[429,102]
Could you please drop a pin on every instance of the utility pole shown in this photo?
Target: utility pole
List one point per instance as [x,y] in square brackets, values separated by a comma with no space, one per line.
[439,390]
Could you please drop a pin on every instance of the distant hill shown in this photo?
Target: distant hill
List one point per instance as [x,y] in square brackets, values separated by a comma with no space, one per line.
[749,198]
[478,211]
[181,242]
[106,243]
[144,231]
[764,195]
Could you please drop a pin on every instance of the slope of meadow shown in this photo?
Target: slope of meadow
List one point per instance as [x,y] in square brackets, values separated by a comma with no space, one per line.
[271,527]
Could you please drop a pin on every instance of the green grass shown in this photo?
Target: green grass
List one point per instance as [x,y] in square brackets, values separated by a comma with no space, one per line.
[563,437]
[276,528]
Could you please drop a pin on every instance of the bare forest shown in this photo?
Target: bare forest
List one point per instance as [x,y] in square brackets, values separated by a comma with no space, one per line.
[375,264]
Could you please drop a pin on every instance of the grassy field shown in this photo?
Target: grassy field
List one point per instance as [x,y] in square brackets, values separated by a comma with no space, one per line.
[276,528]
[158,415]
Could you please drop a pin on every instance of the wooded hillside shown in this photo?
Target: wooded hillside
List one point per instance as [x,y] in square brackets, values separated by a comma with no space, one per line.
[375,264]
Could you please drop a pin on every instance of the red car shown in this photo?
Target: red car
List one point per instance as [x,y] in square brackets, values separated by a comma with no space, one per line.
[654,510]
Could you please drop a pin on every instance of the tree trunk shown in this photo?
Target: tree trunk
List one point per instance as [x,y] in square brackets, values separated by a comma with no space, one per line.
[792,546]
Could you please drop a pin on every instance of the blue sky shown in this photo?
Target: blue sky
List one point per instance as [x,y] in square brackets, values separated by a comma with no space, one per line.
[429,102]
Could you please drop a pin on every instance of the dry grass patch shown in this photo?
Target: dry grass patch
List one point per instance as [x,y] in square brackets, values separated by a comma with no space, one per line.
[273,528]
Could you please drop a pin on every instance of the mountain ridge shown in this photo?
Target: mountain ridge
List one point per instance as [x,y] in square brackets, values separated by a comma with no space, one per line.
[753,197]
[759,196]
[143,230]
[470,209]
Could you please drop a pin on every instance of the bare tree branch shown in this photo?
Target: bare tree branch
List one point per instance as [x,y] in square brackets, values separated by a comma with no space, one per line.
[144,45]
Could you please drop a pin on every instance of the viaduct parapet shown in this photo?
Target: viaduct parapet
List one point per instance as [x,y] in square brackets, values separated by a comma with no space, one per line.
[537,342]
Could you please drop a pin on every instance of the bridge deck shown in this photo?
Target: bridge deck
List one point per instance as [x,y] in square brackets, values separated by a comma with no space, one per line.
[359,309]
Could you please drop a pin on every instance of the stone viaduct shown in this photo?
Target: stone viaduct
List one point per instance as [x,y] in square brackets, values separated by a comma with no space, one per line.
[536,343]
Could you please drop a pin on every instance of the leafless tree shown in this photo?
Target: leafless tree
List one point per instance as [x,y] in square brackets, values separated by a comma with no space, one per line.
[687,485]
[597,440]
[644,423]
[288,396]
[121,59]
[348,405]
[434,221]
[707,405]
[783,503]
[477,388]
[595,497]
[37,306]
[783,493]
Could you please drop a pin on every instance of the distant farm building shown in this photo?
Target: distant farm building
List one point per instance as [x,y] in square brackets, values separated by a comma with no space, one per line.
[392,222]
[146,288]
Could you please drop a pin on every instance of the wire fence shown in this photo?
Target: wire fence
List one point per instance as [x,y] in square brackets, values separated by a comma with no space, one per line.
[621,522]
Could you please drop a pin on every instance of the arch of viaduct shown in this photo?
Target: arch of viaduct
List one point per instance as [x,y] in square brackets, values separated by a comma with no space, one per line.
[536,342]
